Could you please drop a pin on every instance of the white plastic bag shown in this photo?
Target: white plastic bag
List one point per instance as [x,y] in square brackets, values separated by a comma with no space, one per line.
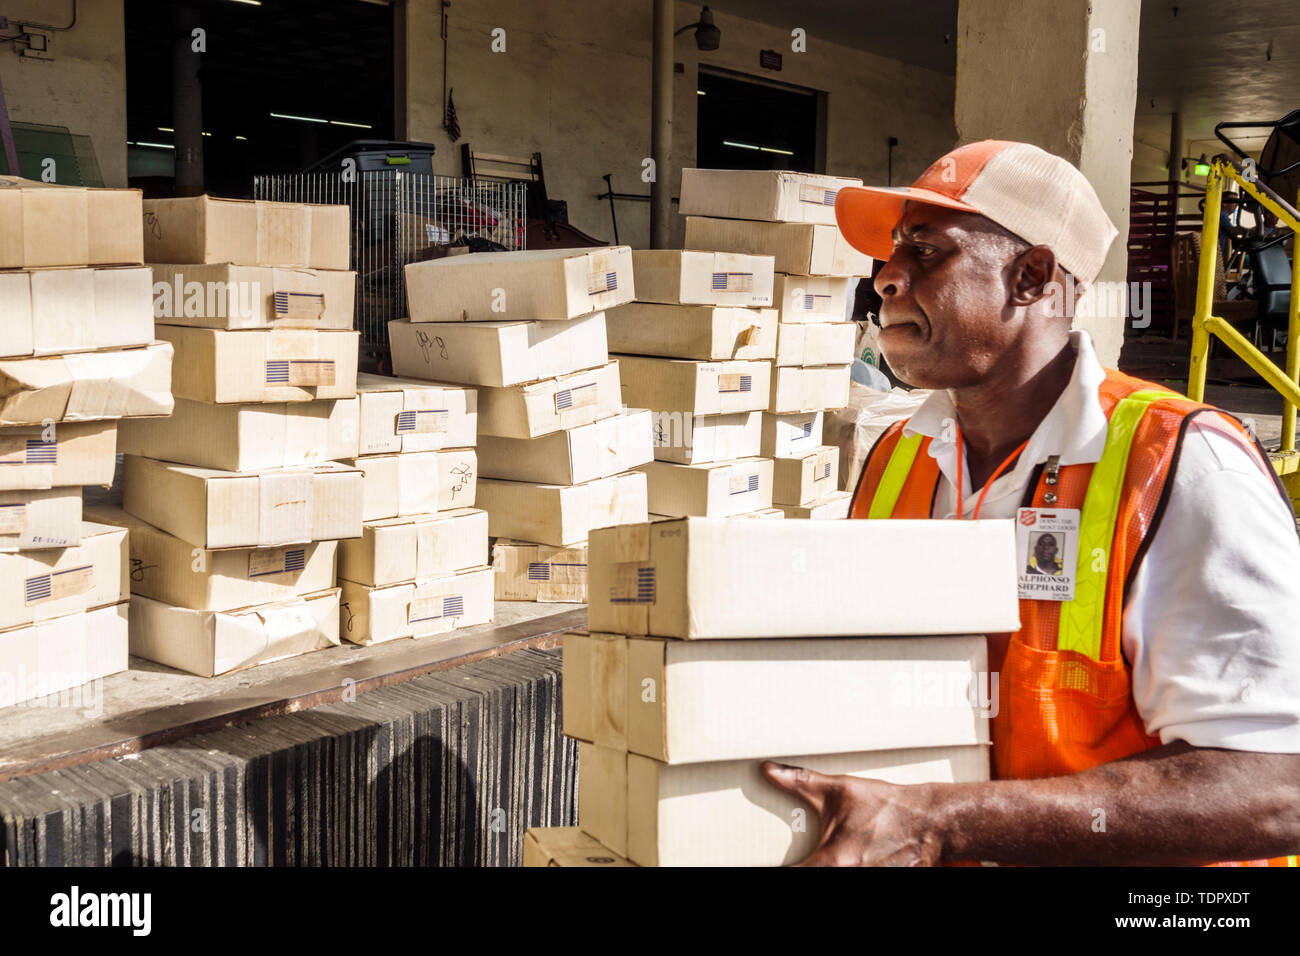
[856,427]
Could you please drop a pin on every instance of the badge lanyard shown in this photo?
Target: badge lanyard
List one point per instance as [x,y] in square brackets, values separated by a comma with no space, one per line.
[988,484]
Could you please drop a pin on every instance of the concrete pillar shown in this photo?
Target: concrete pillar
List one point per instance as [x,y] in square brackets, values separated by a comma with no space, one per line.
[187,102]
[1061,74]
[661,126]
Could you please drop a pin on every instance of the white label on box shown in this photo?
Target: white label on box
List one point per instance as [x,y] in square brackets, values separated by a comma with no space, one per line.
[735,382]
[58,584]
[18,450]
[814,302]
[423,421]
[13,518]
[598,282]
[304,372]
[819,195]
[434,608]
[579,396]
[743,484]
[733,282]
[299,305]
[267,561]
[634,583]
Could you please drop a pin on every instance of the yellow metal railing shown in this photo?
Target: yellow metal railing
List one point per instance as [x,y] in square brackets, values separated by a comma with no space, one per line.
[1285,381]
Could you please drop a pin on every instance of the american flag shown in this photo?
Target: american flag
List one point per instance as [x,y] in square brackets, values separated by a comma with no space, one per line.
[452,124]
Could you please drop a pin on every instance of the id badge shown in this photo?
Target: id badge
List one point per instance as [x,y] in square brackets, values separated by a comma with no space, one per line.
[1047,549]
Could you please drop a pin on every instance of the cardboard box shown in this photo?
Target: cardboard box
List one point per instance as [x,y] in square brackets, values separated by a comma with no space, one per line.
[225,509]
[401,415]
[571,457]
[397,550]
[798,389]
[55,311]
[496,353]
[682,578]
[551,405]
[808,478]
[697,388]
[258,365]
[39,520]
[55,456]
[716,489]
[567,846]
[561,515]
[773,195]
[806,249]
[811,298]
[815,343]
[225,296]
[730,700]
[833,506]
[545,284]
[420,609]
[56,655]
[764,513]
[246,437]
[703,332]
[539,572]
[689,440]
[86,386]
[417,482]
[687,277]
[790,435]
[44,225]
[728,814]
[167,569]
[38,585]
[208,643]
[602,794]
[246,232]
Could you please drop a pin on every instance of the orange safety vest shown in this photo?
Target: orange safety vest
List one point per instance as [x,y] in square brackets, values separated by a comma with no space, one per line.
[1067,701]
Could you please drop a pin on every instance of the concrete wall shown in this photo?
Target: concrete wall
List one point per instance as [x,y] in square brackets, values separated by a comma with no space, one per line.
[574,84]
[83,87]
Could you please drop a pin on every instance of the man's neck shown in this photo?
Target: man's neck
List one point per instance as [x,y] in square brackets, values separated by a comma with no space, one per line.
[997,415]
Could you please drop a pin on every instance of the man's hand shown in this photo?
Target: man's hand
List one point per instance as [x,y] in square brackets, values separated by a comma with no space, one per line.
[864,822]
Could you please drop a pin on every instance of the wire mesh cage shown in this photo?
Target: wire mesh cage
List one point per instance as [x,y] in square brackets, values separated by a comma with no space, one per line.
[400,217]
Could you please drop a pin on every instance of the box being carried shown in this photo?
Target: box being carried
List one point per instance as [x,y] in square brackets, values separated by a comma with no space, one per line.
[700,578]
[687,277]
[703,332]
[542,284]
[551,405]
[242,232]
[167,569]
[539,572]
[403,415]
[43,225]
[55,311]
[222,296]
[259,365]
[773,195]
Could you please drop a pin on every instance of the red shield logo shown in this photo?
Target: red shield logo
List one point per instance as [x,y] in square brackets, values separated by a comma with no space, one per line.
[1028,517]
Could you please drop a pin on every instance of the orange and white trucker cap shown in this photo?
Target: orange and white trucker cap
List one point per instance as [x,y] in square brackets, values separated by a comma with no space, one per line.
[1041,198]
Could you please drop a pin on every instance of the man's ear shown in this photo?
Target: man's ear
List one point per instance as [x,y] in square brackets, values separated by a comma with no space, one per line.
[1032,274]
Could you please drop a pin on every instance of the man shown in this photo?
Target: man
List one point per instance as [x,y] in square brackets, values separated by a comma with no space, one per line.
[1149,706]
[1045,560]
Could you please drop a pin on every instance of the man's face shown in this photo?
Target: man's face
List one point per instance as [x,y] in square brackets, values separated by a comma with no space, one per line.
[1045,550]
[945,320]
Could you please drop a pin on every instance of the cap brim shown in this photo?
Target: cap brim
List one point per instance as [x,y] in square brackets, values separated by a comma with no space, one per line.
[867,214]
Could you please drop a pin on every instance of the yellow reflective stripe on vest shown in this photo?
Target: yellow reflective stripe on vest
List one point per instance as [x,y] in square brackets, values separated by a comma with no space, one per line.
[894,476]
[1082,617]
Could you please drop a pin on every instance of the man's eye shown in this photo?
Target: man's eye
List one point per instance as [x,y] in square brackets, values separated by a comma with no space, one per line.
[925,252]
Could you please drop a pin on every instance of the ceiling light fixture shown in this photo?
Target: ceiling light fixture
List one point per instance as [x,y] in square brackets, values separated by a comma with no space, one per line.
[301,119]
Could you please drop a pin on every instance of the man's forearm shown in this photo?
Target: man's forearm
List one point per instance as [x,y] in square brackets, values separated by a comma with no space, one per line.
[1172,805]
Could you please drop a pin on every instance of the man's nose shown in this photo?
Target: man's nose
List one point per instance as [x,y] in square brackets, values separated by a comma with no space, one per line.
[891,280]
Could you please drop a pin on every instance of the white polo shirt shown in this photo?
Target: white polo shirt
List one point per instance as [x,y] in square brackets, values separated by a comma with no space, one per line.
[1212,620]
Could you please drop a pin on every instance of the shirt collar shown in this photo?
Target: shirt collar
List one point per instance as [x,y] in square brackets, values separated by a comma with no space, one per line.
[1074,428]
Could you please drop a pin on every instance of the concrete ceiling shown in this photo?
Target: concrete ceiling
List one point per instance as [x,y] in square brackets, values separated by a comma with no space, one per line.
[1209,61]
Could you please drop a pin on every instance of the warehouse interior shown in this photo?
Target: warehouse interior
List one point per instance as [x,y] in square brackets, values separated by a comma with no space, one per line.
[452,132]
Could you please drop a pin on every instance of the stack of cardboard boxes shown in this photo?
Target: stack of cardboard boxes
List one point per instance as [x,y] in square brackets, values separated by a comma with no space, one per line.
[236,502]
[77,353]
[556,449]
[698,666]
[791,217]
[696,348]
[420,566]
